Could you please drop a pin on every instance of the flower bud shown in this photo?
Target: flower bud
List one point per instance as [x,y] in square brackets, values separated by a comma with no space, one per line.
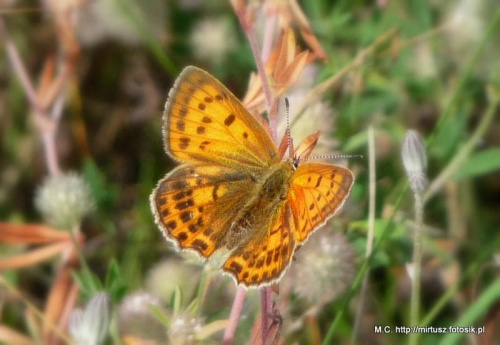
[90,326]
[415,160]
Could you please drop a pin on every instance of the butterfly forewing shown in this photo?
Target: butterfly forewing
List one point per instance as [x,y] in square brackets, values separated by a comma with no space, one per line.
[205,122]
[317,192]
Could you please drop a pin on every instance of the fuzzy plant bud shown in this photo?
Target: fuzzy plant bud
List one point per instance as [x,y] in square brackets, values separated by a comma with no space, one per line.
[415,160]
[90,326]
[63,200]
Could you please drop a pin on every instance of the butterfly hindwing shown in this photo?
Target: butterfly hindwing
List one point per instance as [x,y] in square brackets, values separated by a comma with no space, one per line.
[263,261]
[206,123]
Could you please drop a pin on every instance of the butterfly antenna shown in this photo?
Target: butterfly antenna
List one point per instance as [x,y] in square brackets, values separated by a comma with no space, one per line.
[288,134]
[335,157]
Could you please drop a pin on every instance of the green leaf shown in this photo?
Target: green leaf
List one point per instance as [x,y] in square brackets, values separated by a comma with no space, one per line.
[356,142]
[160,315]
[399,230]
[88,283]
[450,134]
[481,163]
[105,193]
[177,300]
[114,283]
[474,313]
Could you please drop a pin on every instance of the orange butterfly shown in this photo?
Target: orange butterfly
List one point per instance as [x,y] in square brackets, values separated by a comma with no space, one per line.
[231,193]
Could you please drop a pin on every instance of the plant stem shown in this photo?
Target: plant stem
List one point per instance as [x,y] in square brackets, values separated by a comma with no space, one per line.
[156,49]
[490,248]
[202,289]
[417,267]
[481,306]
[15,294]
[464,75]
[371,228]
[466,149]
[272,109]
[239,298]
[18,66]
[319,90]
[266,301]
[364,267]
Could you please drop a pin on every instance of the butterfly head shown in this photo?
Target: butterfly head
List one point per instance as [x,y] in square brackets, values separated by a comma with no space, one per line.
[295,162]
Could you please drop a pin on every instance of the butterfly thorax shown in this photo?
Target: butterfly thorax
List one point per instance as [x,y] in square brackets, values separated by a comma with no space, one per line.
[270,192]
[276,182]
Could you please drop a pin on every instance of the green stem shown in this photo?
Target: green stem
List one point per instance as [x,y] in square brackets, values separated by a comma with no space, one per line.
[474,313]
[484,255]
[464,76]
[83,263]
[202,290]
[154,47]
[371,228]
[364,267]
[466,149]
[417,266]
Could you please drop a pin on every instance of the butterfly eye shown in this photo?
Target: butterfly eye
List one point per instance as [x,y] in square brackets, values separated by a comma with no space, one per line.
[295,162]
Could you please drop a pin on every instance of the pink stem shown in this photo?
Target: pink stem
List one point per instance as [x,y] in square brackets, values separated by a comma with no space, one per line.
[239,298]
[47,125]
[267,44]
[252,39]
[18,66]
[265,82]
[50,154]
[49,137]
[266,303]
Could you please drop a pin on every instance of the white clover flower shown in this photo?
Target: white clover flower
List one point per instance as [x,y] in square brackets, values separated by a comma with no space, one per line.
[213,40]
[90,326]
[183,329]
[136,318]
[180,275]
[325,267]
[415,160]
[466,23]
[63,200]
